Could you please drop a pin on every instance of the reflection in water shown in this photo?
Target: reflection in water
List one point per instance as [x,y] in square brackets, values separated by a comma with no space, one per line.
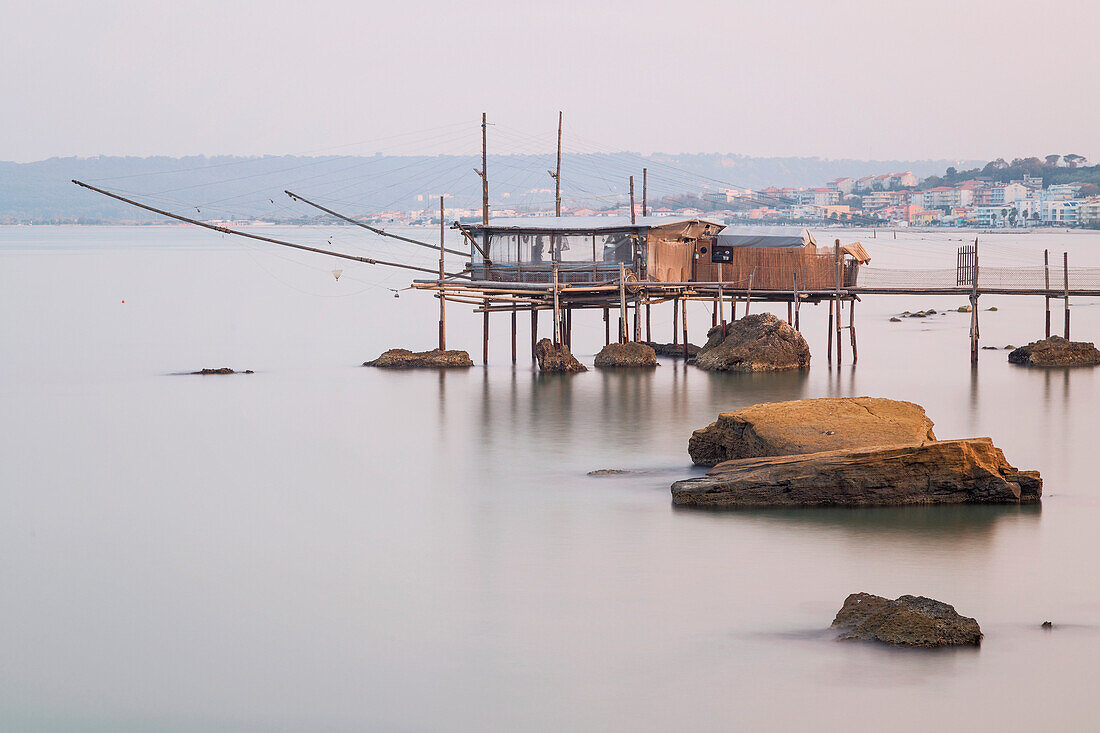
[942,523]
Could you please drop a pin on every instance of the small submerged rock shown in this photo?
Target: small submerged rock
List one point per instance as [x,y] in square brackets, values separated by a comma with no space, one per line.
[609,472]
[963,309]
[222,370]
[756,343]
[557,359]
[674,350]
[629,355]
[992,308]
[1056,351]
[895,319]
[1047,625]
[434,359]
[911,621]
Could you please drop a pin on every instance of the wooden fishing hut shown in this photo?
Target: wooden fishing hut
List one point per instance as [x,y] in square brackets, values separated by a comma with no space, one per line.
[563,264]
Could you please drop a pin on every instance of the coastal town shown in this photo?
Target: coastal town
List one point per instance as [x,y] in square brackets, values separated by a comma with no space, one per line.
[987,198]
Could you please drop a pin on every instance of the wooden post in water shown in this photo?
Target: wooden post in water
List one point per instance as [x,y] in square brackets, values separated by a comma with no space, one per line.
[622,302]
[839,356]
[852,328]
[1065,275]
[645,186]
[534,329]
[829,348]
[513,334]
[685,307]
[675,317]
[557,309]
[790,312]
[974,309]
[1046,276]
[637,319]
[442,299]
[797,303]
[484,174]
[485,334]
[648,322]
[606,326]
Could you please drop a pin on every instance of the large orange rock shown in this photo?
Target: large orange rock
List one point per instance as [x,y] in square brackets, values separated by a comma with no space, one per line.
[756,343]
[434,359]
[809,426]
[972,470]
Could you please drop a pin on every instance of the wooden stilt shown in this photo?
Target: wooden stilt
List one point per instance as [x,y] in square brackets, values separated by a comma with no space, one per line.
[648,321]
[974,309]
[513,334]
[1065,272]
[442,274]
[839,357]
[829,348]
[485,335]
[852,328]
[637,320]
[685,307]
[534,330]
[675,317]
[797,302]
[790,313]
[1046,275]
[606,327]
[557,309]
[622,300]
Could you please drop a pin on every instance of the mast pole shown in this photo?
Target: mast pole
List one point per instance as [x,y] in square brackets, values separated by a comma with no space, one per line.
[645,192]
[557,173]
[632,200]
[484,171]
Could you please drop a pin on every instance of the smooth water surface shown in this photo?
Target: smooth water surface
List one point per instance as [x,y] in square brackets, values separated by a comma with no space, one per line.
[320,546]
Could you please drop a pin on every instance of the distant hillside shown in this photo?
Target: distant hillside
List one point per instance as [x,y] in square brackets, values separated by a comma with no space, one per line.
[229,187]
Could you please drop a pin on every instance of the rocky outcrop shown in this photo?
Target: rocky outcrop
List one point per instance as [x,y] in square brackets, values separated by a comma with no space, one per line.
[971,470]
[221,370]
[556,358]
[434,359]
[809,426]
[913,621]
[674,350]
[1055,352]
[631,354]
[756,343]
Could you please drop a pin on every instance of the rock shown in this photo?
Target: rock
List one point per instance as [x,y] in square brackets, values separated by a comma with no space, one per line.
[809,426]
[918,314]
[963,309]
[913,621]
[434,359]
[630,354]
[930,312]
[1056,351]
[756,343]
[676,350]
[993,348]
[1047,625]
[222,370]
[556,358]
[609,472]
[1010,347]
[992,308]
[965,471]
[895,319]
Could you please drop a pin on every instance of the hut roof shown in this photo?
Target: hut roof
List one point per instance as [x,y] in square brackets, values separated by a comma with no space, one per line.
[773,237]
[585,224]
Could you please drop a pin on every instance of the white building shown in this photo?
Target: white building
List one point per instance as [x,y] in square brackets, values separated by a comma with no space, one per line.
[1007,194]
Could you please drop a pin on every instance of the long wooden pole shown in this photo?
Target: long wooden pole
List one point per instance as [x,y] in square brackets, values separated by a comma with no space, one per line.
[557,309]
[837,299]
[684,304]
[974,309]
[534,330]
[513,333]
[675,317]
[645,192]
[557,174]
[484,170]
[442,298]
[259,238]
[485,335]
[622,303]
[1065,275]
[1046,275]
[356,222]
[632,200]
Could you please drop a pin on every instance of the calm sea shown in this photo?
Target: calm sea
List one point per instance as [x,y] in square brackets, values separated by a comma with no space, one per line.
[324,547]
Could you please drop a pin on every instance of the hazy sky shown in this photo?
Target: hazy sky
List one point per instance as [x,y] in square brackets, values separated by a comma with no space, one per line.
[955,79]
